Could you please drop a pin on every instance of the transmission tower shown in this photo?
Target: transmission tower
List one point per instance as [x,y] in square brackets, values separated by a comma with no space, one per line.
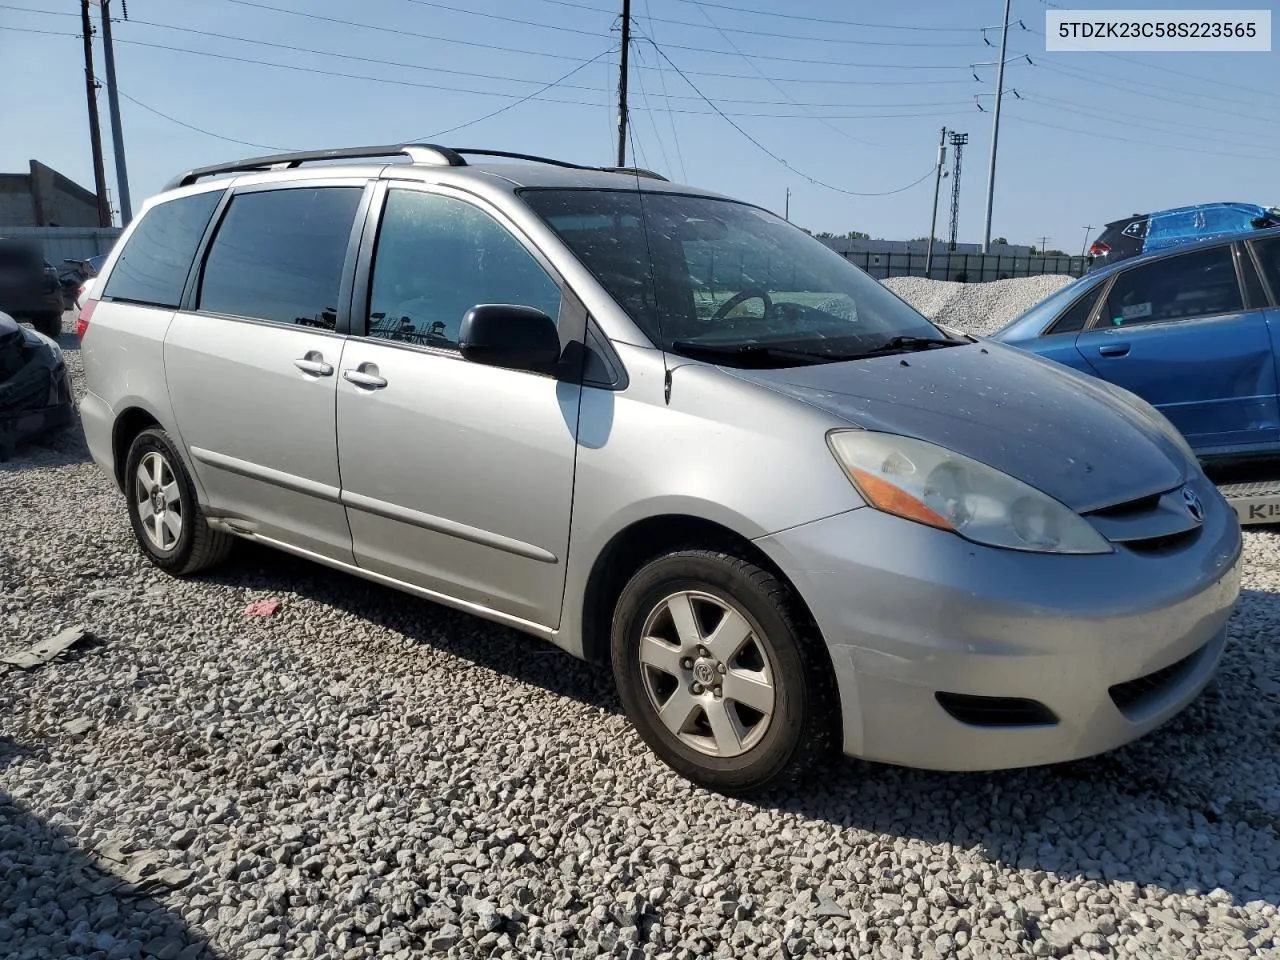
[958,140]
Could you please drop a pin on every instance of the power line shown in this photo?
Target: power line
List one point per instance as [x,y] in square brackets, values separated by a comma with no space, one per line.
[1128,119]
[662,79]
[207,133]
[771,34]
[483,93]
[525,99]
[823,20]
[751,63]
[382,61]
[770,153]
[1145,143]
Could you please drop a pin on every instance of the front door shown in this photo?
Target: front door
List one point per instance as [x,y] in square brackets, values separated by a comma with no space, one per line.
[1177,332]
[252,369]
[457,477]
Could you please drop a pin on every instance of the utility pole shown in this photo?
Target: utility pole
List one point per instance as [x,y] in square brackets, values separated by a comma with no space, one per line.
[95,132]
[622,83]
[1084,249]
[1044,244]
[958,140]
[937,185]
[113,103]
[995,128]
[786,210]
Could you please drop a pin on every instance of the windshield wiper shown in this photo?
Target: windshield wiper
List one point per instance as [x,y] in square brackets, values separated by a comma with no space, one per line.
[746,352]
[906,344]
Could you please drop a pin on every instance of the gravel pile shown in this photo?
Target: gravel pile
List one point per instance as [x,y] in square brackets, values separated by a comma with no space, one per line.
[976,308]
[367,775]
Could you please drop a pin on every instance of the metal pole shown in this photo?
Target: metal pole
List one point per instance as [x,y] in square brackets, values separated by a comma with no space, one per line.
[622,84]
[1084,248]
[113,103]
[786,211]
[937,184]
[95,132]
[995,128]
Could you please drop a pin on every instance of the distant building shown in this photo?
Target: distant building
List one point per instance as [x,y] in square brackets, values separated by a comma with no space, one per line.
[45,198]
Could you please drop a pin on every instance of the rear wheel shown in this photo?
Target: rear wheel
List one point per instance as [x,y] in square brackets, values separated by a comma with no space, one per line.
[722,673]
[163,510]
[50,324]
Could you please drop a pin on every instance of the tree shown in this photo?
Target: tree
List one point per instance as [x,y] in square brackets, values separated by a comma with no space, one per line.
[1003,242]
[857,235]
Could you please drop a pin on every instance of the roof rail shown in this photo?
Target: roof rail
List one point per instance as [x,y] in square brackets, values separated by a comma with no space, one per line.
[428,153]
[638,171]
[416,152]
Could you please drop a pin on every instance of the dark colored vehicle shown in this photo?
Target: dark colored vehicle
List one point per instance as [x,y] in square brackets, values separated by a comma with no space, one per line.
[35,390]
[29,287]
[1194,330]
[1147,232]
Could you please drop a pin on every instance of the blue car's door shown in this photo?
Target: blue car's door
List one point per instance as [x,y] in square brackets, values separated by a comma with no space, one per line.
[1178,332]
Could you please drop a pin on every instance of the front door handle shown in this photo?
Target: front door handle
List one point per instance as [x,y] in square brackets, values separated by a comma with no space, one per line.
[1114,350]
[365,375]
[313,363]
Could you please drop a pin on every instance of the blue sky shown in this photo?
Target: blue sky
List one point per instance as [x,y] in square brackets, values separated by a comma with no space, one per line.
[851,94]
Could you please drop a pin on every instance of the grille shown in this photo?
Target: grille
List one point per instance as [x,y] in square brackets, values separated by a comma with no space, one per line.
[1132,695]
[1153,525]
[996,711]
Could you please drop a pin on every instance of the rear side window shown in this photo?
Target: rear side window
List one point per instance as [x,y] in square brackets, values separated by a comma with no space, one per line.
[153,265]
[1073,320]
[1268,252]
[278,255]
[1198,284]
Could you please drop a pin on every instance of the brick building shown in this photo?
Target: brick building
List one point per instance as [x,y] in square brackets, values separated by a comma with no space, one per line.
[45,198]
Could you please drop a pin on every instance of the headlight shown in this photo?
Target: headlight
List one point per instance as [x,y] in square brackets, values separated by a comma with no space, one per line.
[932,485]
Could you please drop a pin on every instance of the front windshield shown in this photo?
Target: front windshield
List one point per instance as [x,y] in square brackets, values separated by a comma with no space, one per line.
[724,278]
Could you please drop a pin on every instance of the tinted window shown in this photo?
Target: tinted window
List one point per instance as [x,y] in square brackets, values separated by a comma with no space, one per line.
[1268,252]
[1254,295]
[1198,284]
[1077,314]
[152,268]
[278,255]
[438,257]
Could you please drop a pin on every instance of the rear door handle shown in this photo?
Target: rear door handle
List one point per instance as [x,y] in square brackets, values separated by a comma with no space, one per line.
[313,363]
[366,375]
[1114,350]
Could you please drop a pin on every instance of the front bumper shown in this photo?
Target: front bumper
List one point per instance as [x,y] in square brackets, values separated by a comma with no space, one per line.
[908,612]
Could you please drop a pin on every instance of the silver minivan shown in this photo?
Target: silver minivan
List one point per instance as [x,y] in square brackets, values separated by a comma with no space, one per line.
[664,430]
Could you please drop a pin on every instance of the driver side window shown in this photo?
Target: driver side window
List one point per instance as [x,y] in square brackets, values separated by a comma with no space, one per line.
[436,258]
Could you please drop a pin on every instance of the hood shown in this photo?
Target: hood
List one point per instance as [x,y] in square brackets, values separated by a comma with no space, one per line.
[1040,422]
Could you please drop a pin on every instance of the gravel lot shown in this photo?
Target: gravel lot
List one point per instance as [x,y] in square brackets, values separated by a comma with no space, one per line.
[367,775]
[977,308]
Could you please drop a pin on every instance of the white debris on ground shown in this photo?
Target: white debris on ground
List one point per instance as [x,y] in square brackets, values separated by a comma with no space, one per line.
[363,774]
[976,308]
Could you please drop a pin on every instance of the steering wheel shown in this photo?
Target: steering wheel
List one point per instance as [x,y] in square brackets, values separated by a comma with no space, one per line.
[751,293]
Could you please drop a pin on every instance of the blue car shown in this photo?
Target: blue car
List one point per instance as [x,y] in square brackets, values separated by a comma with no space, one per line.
[1194,330]
[1147,232]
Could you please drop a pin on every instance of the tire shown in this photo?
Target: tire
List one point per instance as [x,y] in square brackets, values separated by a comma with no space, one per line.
[182,547]
[50,324]
[781,667]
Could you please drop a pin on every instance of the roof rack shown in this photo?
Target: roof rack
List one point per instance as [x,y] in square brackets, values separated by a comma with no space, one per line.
[428,153]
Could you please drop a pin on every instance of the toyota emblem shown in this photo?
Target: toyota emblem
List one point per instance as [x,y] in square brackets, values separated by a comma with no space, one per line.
[1192,500]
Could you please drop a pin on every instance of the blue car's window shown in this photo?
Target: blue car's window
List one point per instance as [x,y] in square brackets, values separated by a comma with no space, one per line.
[1255,296]
[1268,252]
[1077,315]
[1202,283]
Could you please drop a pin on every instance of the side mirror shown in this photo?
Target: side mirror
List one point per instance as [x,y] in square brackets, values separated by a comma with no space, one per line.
[507,335]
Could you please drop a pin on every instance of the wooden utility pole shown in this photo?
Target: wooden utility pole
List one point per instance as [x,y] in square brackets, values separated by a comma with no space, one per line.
[113,104]
[95,131]
[622,83]
[937,184]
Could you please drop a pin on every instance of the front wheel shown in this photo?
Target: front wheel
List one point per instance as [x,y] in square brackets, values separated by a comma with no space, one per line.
[722,673]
